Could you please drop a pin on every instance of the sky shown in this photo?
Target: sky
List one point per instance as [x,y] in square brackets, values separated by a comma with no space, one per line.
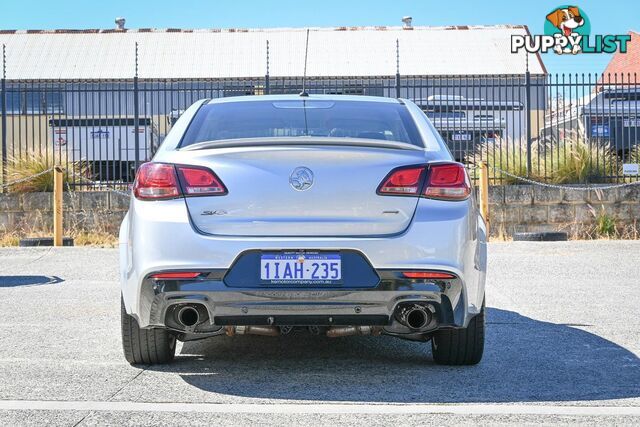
[607,17]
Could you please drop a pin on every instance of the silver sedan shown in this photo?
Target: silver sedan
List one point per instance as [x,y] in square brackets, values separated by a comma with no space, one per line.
[334,215]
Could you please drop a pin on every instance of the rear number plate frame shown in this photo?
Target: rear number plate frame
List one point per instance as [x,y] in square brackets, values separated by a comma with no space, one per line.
[301,268]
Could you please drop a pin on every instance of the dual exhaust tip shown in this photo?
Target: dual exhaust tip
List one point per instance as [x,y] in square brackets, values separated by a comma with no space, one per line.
[415,316]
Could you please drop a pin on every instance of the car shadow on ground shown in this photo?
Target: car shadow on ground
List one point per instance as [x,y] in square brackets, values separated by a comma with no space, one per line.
[525,360]
[16,281]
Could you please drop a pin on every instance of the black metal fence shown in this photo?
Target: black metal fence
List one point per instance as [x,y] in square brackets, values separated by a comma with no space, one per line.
[540,126]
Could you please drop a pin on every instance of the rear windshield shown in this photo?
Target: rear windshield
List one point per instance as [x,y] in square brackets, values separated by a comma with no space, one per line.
[268,119]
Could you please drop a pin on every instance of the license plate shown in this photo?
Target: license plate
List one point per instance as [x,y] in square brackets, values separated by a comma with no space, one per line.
[600,130]
[461,137]
[301,268]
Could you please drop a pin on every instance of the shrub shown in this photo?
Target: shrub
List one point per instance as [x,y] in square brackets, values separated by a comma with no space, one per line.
[634,154]
[511,158]
[575,160]
[570,161]
[605,225]
[35,163]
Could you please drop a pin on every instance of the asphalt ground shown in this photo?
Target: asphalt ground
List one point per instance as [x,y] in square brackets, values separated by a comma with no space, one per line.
[562,347]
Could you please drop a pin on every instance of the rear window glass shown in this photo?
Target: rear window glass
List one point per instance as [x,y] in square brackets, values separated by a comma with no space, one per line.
[315,118]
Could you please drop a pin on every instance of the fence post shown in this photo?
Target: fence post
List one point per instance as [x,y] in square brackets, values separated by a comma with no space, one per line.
[528,117]
[3,122]
[266,76]
[57,205]
[397,68]
[136,114]
[484,193]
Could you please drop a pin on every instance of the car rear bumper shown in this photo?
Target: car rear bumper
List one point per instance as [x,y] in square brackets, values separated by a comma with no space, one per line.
[162,300]
[443,236]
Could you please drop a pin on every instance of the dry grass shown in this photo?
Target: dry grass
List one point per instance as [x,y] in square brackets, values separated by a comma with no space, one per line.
[35,163]
[634,155]
[9,239]
[98,232]
[99,239]
[581,231]
[603,229]
[510,158]
[571,161]
[80,238]
[575,160]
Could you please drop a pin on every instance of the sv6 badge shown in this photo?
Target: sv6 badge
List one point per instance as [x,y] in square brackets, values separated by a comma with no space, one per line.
[215,212]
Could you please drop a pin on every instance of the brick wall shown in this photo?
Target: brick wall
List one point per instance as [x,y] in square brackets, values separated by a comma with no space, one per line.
[96,210]
[512,208]
[533,208]
[624,67]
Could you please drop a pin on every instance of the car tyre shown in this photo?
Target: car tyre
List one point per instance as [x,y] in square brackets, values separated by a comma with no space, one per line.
[145,346]
[460,346]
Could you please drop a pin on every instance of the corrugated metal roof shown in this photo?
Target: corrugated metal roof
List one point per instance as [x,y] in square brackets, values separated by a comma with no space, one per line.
[215,53]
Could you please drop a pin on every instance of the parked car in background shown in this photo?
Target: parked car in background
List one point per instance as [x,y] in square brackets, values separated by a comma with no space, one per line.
[107,145]
[608,118]
[612,118]
[464,123]
[336,215]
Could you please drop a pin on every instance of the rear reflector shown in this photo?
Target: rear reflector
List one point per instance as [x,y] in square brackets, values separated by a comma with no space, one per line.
[407,181]
[427,275]
[176,275]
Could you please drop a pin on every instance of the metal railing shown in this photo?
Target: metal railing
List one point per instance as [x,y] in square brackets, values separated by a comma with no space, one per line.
[533,126]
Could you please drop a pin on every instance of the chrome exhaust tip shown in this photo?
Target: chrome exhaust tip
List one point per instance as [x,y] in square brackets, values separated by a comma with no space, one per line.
[188,316]
[414,316]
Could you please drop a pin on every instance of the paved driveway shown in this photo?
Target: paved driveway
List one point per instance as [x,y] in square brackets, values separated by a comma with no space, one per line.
[562,346]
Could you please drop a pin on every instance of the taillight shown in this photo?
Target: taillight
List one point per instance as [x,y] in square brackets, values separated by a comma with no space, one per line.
[156,181]
[199,181]
[427,275]
[403,181]
[159,181]
[448,181]
[176,275]
[444,181]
